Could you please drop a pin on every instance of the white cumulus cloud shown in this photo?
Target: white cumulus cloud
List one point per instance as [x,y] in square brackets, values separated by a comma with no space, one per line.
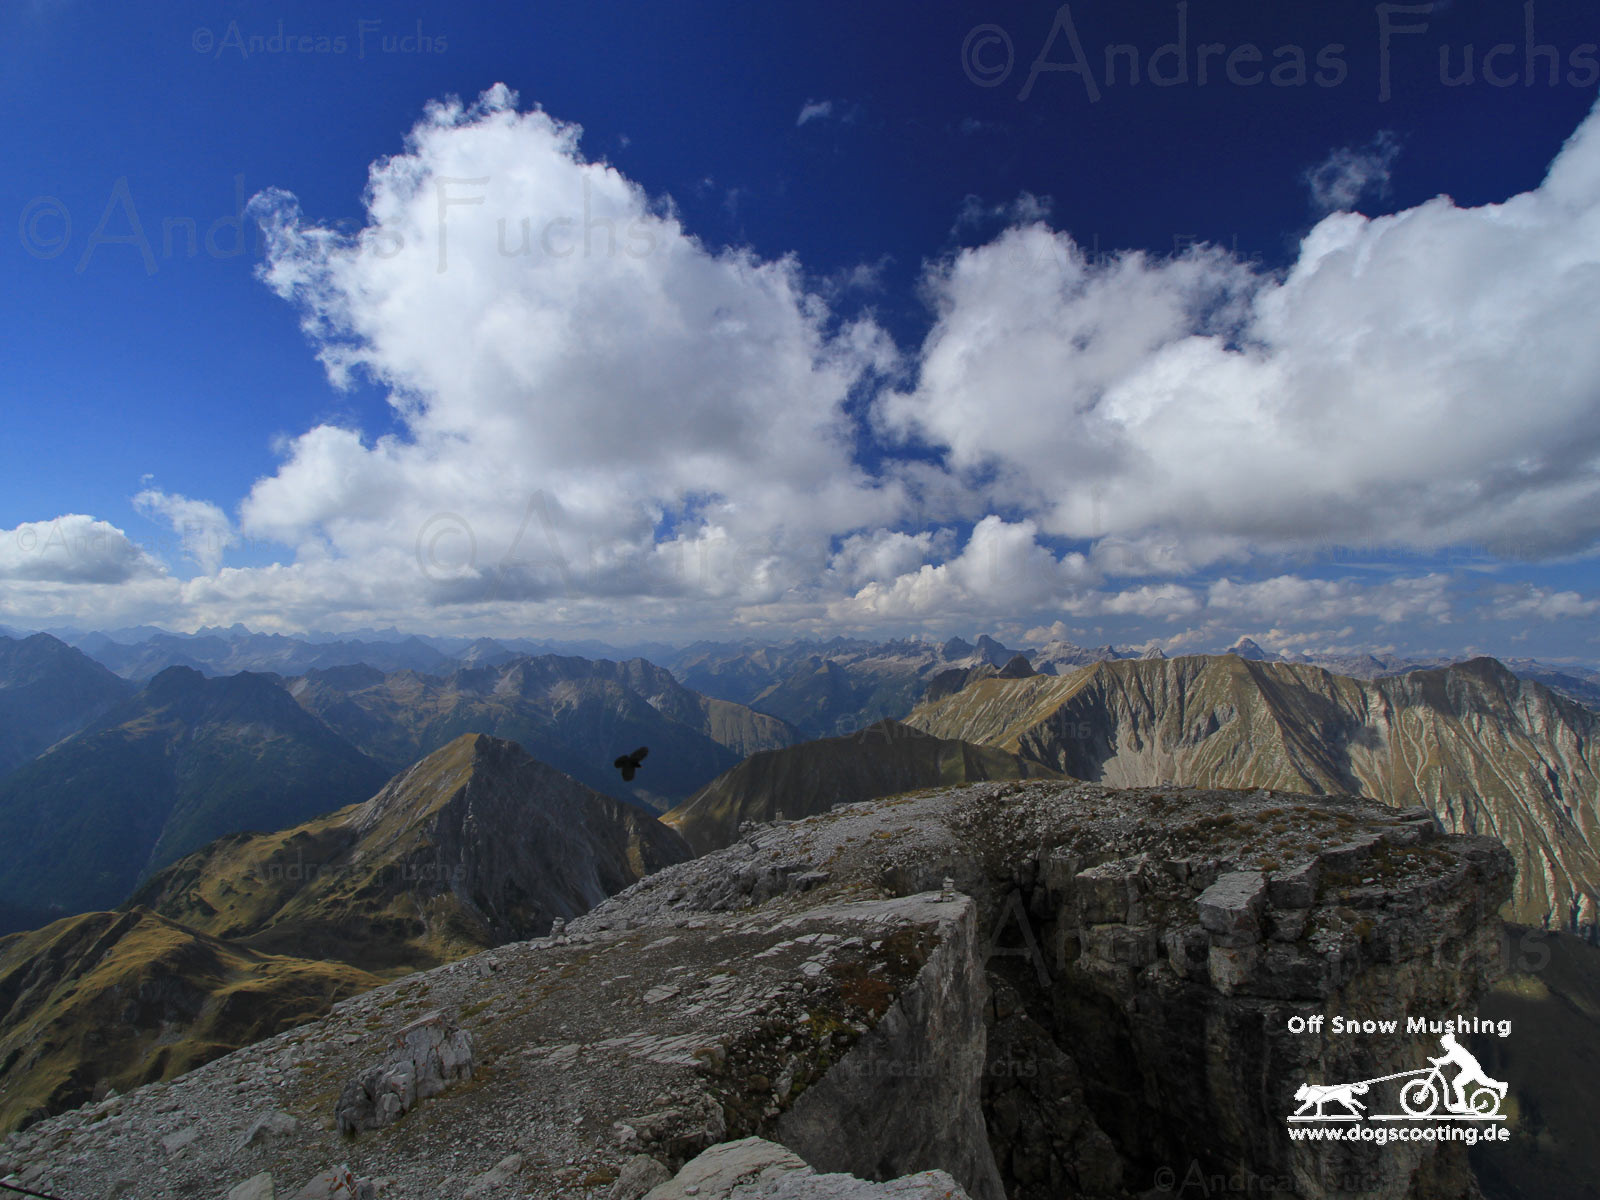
[603,424]
[203,529]
[1002,568]
[1543,604]
[573,370]
[1425,379]
[73,549]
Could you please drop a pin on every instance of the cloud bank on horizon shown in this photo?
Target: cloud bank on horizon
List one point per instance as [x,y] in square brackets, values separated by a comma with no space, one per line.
[604,423]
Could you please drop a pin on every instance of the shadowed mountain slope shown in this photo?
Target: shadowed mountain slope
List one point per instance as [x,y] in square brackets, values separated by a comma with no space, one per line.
[573,713]
[1487,752]
[823,688]
[810,778]
[477,844]
[48,691]
[184,761]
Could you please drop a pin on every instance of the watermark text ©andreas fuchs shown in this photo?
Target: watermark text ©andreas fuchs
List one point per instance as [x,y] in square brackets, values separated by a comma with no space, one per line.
[1400,39]
[367,37]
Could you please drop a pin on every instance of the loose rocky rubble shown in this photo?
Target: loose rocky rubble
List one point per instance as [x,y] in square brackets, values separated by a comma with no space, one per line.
[1101,990]
[755,1169]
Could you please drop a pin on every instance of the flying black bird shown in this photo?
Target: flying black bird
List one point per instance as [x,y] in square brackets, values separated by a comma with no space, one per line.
[629,763]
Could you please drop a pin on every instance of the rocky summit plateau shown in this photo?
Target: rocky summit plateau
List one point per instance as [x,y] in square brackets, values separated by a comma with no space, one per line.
[1024,989]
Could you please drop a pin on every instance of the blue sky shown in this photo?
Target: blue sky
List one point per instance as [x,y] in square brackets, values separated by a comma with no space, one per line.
[757,320]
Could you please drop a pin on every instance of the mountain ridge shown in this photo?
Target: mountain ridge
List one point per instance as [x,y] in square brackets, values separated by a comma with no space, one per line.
[48,691]
[573,713]
[799,781]
[166,770]
[476,844]
[1485,751]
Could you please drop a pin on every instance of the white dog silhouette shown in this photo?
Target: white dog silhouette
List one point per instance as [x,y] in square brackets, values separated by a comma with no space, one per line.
[1319,1094]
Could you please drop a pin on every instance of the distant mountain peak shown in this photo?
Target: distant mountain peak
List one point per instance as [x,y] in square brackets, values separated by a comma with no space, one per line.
[956,648]
[502,841]
[1017,667]
[1250,649]
[177,677]
[161,773]
[48,691]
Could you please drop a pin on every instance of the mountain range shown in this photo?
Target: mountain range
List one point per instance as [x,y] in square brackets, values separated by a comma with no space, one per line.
[828,688]
[251,900]
[713,707]
[184,760]
[122,784]
[140,652]
[821,687]
[1485,751]
[476,845]
[573,713]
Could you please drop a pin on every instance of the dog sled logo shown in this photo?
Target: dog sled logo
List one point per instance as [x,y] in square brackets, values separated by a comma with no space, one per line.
[1341,1093]
[1468,1095]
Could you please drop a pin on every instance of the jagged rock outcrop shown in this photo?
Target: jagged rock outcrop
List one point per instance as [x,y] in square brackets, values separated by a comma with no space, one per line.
[663,1040]
[880,760]
[1485,751]
[1146,949]
[1060,657]
[756,1169]
[432,1055]
[1161,1015]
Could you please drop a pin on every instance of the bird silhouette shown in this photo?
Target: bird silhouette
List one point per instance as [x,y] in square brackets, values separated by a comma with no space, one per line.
[629,763]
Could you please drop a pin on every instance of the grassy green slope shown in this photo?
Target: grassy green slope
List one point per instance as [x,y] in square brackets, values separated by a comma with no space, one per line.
[119,999]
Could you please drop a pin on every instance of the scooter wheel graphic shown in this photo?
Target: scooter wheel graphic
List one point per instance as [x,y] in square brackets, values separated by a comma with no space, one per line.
[1419,1097]
[1484,1101]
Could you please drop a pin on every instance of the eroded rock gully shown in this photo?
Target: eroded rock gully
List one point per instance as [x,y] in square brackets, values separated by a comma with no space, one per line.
[1103,995]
